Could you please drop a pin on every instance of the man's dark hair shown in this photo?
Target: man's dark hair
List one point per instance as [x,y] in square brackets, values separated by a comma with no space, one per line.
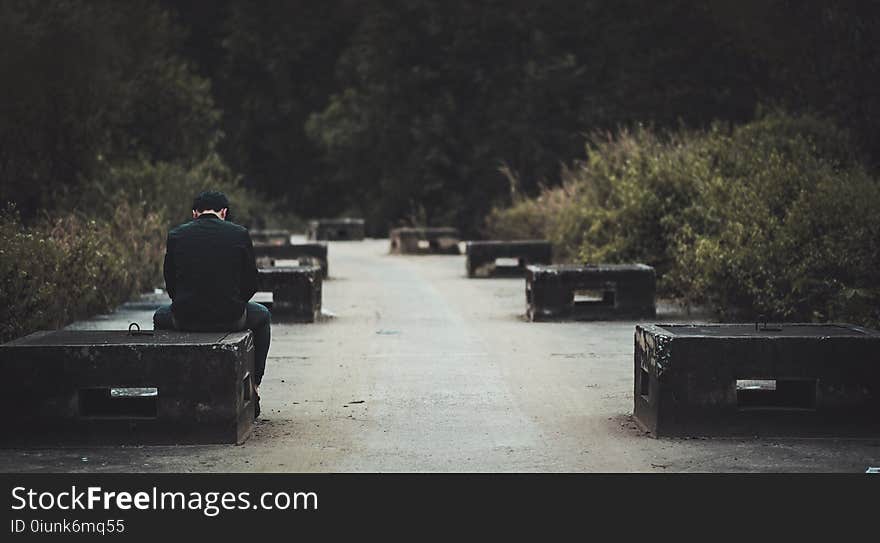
[210,199]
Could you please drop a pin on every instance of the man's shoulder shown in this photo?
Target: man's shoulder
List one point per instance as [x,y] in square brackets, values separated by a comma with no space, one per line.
[236,229]
[214,225]
[179,229]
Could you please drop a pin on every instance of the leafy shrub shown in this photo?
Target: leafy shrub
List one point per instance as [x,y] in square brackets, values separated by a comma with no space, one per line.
[167,189]
[71,267]
[73,264]
[788,229]
[621,203]
[775,217]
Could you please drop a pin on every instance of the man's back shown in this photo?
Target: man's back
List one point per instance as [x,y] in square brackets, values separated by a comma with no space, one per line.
[210,270]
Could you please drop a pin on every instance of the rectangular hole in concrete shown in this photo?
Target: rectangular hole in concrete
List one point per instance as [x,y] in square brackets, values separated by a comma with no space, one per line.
[266,299]
[263,297]
[776,393]
[247,389]
[444,243]
[125,403]
[594,297]
[644,383]
[507,262]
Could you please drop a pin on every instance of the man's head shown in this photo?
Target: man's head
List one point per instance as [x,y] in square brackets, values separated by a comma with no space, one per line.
[211,201]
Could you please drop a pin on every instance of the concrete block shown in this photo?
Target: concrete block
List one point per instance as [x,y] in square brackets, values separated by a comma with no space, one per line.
[72,387]
[505,258]
[429,240]
[336,229]
[747,379]
[306,254]
[270,237]
[296,292]
[590,292]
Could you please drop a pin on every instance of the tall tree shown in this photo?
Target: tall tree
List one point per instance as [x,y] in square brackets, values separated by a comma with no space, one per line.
[436,96]
[88,83]
[820,56]
[279,67]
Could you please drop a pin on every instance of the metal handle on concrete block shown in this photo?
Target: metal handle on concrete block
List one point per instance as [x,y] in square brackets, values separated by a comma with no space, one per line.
[138,331]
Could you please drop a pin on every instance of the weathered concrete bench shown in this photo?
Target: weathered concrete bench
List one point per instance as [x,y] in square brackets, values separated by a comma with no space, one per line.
[303,253]
[270,237]
[336,230]
[430,240]
[110,387]
[492,258]
[590,292]
[746,379]
[296,291]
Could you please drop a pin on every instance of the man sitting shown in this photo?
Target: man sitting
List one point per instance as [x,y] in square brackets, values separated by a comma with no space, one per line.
[210,274]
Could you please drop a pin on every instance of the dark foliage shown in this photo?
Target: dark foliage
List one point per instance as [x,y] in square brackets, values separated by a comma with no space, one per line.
[402,111]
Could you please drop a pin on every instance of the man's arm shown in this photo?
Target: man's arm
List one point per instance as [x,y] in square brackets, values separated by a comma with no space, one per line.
[168,269]
[248,270]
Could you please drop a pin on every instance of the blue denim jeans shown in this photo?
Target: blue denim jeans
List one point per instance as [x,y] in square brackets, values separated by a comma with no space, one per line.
[258,319]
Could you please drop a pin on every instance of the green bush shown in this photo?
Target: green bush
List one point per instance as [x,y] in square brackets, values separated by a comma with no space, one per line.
[71,267]
[788,228]
[73,264]
[621,203]
[773,218]
[167,189]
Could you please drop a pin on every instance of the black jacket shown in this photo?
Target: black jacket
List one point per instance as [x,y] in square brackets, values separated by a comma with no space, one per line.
[210,270]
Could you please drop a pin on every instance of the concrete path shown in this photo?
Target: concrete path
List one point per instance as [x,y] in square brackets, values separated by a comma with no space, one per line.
[422,369]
